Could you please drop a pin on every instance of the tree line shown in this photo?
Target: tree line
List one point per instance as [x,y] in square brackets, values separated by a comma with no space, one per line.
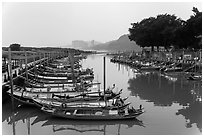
[168,31]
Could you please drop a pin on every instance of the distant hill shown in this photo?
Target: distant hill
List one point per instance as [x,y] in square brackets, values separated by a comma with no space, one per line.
[122,44]
[84,45]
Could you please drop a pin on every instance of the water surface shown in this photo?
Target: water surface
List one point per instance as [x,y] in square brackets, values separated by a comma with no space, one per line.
[173,105]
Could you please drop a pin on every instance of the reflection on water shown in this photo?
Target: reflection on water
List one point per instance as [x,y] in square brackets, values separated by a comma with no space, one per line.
[89,126]
[163,90]
[172,105]
[33,116]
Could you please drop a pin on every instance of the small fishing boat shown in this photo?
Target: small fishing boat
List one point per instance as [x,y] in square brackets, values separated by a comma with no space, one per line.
[52,74]
[95,114]
[76,99]
[25,95]
[56,83]
[35,84]
[19,96]
[173,69]
[63,66]
[43,71]
[195,77]
[58,78]
[57,70]
[116,103]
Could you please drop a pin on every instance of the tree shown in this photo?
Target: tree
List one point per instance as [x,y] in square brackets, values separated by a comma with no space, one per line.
[141,32]
[153,31]
[187,35]
[15,47]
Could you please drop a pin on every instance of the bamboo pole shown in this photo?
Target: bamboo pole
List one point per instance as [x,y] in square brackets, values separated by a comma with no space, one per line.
[72,68]
[26,66]
[104,78]
[13,123]
[11,78]
[44,59]
[34,65]
[28,125]
[47,58]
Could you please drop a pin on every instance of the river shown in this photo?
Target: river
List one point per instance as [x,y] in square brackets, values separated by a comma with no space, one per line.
[172,104]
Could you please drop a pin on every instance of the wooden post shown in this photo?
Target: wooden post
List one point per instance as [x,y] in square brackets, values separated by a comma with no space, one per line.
[44,59]
[28,125]
[40,59]
[104,133]
[72,68]
[13,123]
[26,66]
[47,58]
[11,78]
[34,64]
[104,77]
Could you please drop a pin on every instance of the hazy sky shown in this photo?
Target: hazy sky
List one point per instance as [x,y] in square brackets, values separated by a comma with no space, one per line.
[57,24]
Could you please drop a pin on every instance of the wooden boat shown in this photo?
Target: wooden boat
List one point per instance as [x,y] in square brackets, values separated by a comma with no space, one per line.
[19,96]
[116,103]
[26,95]
[58,78]
[35,84]
[94,114]
[63,66]
[50,70]
[173,69]
[150,68]
[57,70]
[52,74]
[54,82]
[67,60]
[65,87]
[80,98]
[195,77]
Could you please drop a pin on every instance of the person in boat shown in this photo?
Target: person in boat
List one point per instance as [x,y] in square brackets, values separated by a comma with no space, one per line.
[131,110]
[62,86]
[67,75]
[121,112]
[22,93]
[53,95]
[110,90]
[140,107]
[24,88]
[67,96]
[192,74]
[63,105]
[119,102]
[48,89]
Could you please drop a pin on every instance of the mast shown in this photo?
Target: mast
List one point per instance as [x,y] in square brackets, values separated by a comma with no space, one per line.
[11,78]
[28,124]
[13,123]
[11,84]
[104,78]
[26,66]
[72,68]
[34,64]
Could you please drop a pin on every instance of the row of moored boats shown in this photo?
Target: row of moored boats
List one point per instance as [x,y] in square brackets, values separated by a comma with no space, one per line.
[191,70]
[63,88]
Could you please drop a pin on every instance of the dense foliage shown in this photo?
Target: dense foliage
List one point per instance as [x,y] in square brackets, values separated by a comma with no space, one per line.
[15,47]
[168,30]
